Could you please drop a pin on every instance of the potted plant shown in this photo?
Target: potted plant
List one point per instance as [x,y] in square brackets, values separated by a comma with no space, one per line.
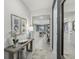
[15,40]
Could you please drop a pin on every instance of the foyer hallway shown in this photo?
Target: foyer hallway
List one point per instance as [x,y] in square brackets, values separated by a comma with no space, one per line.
[33,17]
[42,50]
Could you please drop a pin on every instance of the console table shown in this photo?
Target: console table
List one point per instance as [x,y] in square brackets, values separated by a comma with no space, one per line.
[14,52]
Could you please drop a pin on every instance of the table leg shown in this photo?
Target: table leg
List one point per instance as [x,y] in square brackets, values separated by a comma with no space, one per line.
[29,50]
[14,55]
[11,56]
[31,45]
[18,55]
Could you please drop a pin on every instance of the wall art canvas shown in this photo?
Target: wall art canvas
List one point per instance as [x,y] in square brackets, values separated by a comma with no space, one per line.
[15,24]
[18,24]
[23,25]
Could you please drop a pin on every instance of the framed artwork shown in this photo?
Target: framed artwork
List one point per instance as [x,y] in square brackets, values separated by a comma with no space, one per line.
[17,24]
[23,25]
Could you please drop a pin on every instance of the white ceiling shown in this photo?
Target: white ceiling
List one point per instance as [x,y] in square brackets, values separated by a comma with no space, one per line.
[41,4]
[38,4]
[33,5]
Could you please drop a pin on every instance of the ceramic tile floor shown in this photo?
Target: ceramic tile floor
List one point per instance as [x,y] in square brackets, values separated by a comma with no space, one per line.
[43,52]
[46,53]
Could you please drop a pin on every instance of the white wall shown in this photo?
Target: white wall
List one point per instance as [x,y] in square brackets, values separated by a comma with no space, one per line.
[13,7]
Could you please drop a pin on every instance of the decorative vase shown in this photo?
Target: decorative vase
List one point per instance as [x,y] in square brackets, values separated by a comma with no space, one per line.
[15,41]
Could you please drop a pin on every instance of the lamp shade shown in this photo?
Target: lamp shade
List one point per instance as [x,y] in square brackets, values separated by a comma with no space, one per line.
[30,28]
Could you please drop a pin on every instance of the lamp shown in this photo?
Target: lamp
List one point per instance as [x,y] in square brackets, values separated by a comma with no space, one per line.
[30,29]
